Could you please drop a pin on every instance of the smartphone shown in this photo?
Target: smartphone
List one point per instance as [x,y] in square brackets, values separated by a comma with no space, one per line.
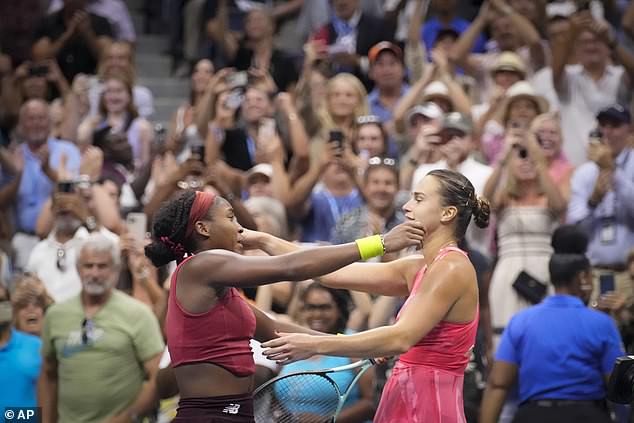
[38,70]
[606,283]
[266,130]
[596,136]
[238,79]
[234,99]
[522,152]
[136,223]
[336,137]
[66,186]
[199,150]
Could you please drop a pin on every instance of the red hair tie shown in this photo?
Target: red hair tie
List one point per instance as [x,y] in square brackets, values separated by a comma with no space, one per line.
[200,207]
[176,247]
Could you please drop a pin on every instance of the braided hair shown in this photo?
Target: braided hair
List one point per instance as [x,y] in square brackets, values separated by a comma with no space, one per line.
[168,230]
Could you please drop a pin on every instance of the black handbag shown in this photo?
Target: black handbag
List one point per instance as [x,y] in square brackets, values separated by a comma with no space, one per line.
[529,288]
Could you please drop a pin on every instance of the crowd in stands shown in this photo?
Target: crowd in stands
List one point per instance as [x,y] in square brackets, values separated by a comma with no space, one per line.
[315,119]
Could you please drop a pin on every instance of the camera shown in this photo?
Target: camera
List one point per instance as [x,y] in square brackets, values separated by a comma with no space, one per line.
[198,150]
[66,186]
[522,152]
[621,383]
[38,70]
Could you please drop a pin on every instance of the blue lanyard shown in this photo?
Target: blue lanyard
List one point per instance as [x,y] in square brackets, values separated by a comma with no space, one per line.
[251,148]
[334,206]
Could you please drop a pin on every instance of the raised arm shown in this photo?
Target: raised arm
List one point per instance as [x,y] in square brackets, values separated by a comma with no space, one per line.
[445,285]
[562,49]
[526,31]
[556,202]
[218,267]
[460,51]
[376,278]
[410,98]
[415,52]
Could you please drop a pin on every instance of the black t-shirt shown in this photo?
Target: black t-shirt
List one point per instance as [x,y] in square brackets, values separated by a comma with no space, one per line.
[236,149]
[282,68]
[76,56]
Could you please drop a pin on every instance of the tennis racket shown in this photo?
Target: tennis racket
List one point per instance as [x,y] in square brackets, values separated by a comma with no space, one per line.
[305,397]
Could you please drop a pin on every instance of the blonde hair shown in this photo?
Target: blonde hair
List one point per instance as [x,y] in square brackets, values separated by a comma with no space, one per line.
[30,289]
[545,117]
[327,122]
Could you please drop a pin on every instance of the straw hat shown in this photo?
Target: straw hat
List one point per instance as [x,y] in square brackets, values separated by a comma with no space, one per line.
[523,89]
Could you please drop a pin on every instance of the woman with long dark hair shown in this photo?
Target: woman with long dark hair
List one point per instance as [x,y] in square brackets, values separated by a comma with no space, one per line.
[209,325]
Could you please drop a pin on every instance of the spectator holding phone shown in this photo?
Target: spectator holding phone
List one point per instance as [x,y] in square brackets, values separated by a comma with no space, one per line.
[455,143]
[32,80]
[320,209]
[602,201]
[528,206]
[53,259]
[512,112]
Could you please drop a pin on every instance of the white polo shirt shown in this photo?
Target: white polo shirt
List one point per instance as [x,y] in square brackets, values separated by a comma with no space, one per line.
[61,283]
[580,99]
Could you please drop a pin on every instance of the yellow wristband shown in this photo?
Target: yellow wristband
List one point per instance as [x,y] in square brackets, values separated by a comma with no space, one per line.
[371,246]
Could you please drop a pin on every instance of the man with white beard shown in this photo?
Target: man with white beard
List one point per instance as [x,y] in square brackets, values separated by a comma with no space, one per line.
[53,259]
[100,349]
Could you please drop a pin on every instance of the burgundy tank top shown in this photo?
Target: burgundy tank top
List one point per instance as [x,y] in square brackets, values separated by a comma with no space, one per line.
[448,345]
[219,336]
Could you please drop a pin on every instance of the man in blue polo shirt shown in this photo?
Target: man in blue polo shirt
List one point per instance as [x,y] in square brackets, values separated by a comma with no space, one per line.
[20,361]
[560,352]
[46,160]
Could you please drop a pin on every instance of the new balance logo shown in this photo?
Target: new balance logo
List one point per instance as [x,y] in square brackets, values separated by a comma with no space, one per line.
[231,409]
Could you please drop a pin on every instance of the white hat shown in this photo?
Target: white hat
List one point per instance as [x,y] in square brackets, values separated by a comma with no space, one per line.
[436,89]
[429,109]
[260,169]
[523,89]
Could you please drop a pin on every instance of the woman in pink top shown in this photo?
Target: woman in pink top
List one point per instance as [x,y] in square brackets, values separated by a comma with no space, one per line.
[436,327]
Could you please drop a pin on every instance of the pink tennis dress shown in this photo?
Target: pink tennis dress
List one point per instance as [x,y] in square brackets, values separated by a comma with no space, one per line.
[426,383]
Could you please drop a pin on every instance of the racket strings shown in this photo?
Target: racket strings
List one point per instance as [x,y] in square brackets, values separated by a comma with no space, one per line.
[300,398]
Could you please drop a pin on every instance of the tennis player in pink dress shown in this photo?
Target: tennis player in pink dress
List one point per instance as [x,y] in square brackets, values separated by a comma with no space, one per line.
[436,327]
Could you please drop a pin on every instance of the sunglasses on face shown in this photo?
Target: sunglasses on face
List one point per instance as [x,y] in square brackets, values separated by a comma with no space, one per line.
[87,328]
[61,259]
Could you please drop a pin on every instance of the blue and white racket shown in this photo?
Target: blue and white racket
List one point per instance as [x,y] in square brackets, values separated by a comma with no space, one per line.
[305,397]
